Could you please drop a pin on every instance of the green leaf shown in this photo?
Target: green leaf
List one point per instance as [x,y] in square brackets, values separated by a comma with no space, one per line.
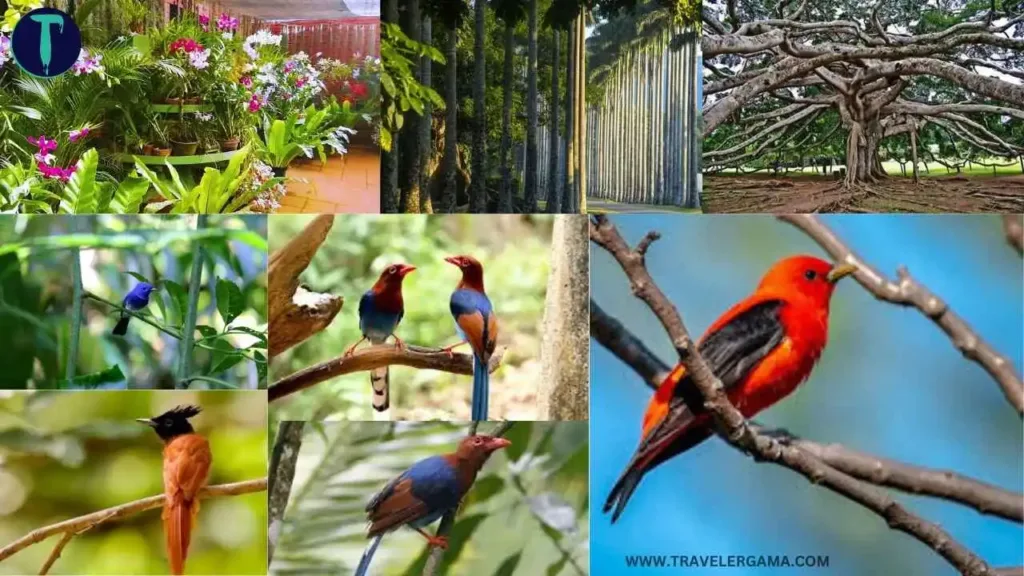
[129,195]
[261,369]
[80,193]
[139,277]
[179,298]
[230,302]
[508,565]
[111,375]
[207,331]
[485,488]
[254,333]
[557,567]
[225,356]
[519,435]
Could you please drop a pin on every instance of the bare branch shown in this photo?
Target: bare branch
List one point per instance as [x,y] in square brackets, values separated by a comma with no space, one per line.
[77,525]
[282,471]
[909,292]
[376,357]
[1014,227]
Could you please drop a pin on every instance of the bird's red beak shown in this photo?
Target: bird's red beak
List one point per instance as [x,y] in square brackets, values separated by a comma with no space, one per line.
[497,444]
[405,270]
[452,260]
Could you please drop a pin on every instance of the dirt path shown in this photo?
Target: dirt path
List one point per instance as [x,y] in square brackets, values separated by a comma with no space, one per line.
[763,193]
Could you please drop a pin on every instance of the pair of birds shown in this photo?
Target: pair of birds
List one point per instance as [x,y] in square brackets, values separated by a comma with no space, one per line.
[381,310]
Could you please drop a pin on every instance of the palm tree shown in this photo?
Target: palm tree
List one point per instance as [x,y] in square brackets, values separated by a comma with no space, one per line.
[410,155]
[426,206]
[451,14]
[554,202]
[531,111]
[510,12]
[478,191]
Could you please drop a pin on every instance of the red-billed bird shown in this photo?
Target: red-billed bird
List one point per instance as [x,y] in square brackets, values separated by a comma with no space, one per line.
[476,324]
[761,349]
[186,468]
[380,310]
[425,492]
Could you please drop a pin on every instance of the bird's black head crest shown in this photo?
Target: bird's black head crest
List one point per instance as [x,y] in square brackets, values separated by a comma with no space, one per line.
[173,423]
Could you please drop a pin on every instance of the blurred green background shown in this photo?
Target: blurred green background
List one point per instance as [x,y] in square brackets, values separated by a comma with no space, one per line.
[66,454]
[514,251]
[527,513]
[36,297]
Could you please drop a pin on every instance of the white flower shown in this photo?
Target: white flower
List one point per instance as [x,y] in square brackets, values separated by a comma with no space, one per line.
[205,117]
[308,150]
[228,35]
[200,59]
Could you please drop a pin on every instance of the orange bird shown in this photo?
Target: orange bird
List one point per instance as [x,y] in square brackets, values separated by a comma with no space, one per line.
[761,349]
[186,468]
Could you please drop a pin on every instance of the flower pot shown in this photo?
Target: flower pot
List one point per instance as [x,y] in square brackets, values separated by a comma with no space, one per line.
[229,144]
[194,100]
[184,148]
[147,150]
[279,172]
[174,101]
[164,152]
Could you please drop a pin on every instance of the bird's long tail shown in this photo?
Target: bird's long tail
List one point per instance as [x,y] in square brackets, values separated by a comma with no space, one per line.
[122,325]
[481,388]
[623,491]
[179,517]
[380,380]
[364,562]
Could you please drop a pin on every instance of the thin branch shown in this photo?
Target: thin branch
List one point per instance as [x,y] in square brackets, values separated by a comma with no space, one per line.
[142,317]
[448,520]
[189,328]
[56,552]
[76,315]
[376,357]
[76,525]
[981,496]
[282,470]
[911,293]
[1014,227]
[733,428]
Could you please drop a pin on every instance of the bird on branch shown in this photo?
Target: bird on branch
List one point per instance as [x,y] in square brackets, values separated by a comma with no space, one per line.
[380,310]
[476,324]
[423,494]
[136,299]
[761,349]
[187,461]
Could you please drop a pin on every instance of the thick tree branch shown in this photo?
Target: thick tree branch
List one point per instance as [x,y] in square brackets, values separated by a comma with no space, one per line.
[282,471]
[1013,224]
[732,427]
[378,356]
[82,523]
[295,312]
[909,292]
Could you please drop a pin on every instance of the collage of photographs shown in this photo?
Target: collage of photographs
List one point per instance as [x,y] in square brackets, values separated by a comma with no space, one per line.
[511,287]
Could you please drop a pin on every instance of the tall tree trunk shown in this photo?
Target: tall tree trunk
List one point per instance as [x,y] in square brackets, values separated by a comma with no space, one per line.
[554,201]
[478,185]
[531,111]
[913,149]
[505,200]
[565,358]
[569,187]
[426,123]
[862,163]
[581,118]
[390,196]
[282,471]
[410,153]
[451,99]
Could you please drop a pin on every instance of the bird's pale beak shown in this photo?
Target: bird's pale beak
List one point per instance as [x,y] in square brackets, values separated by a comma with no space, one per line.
[146,421]
[452,260]
[497,444]
[839,272]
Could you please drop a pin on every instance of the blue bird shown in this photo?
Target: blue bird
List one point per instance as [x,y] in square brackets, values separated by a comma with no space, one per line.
[423,494]
[380,310]
[137,299]
[476,324]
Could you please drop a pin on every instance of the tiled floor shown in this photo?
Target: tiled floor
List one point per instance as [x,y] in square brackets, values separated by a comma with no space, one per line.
[345,185]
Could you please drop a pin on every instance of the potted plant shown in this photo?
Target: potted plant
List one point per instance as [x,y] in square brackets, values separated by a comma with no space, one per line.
[159,137]
[229,120]
[184,139]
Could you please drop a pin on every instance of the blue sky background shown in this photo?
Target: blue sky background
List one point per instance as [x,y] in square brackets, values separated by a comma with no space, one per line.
[889,383]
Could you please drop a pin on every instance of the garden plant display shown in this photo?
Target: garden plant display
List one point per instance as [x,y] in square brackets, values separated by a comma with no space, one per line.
[153,116]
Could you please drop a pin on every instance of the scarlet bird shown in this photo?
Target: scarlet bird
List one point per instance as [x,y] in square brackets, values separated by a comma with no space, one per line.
[186,468]
[476,324]
[761,349]
[425,492]
[380,310]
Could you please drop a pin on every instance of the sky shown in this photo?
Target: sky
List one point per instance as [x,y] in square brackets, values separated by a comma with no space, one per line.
[889,383]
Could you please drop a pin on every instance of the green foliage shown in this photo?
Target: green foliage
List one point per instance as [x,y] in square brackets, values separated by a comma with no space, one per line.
[527,511]
[398,81]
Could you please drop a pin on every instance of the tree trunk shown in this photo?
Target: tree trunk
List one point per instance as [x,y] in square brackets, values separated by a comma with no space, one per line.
[505,200]
[862,163]
[389,194]
[451,99]
[554,201]
[913,150]
[566,341]
[426,205]
[410,153]
[530,189]
[568,188]
[478,186]
[580,104]
[282,471]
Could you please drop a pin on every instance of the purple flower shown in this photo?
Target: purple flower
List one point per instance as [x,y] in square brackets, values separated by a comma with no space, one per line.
[300,82]
[204,21]
[76,135]
[44,144]
[226,23]
[56,172]
[255,103]
[246,81]
[200,59]
[87,64]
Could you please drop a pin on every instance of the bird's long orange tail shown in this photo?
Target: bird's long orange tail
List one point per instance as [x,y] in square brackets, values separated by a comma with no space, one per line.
[179,517]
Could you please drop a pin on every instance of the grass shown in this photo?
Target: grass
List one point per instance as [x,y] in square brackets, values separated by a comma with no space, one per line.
[650,208]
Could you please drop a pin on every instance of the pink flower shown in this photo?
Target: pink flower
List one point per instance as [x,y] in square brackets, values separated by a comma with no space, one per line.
[186,45]
[226,23]
[76,135]
[289,66]
[44,144]
[204,21]
[56,172]
[255,103]
[300,82]
[246,81]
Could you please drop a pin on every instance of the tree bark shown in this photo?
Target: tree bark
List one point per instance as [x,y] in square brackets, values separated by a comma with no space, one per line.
[478,185]
[565,357]
[390,197]
[569,187]
[410,153]
[554,201]
[426,123]
[451,98]
[505,200]
[530,179]
[913,150]
[282,471]
[580,103]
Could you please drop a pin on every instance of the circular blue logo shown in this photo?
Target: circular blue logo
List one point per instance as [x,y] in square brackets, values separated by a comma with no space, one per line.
[46,42]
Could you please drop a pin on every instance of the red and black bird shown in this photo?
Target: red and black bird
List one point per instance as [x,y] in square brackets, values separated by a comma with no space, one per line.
[186,469]
[761,349]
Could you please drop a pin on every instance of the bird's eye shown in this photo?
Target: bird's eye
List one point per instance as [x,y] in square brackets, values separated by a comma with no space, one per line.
[810,274]
[478,440]
[393,270]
